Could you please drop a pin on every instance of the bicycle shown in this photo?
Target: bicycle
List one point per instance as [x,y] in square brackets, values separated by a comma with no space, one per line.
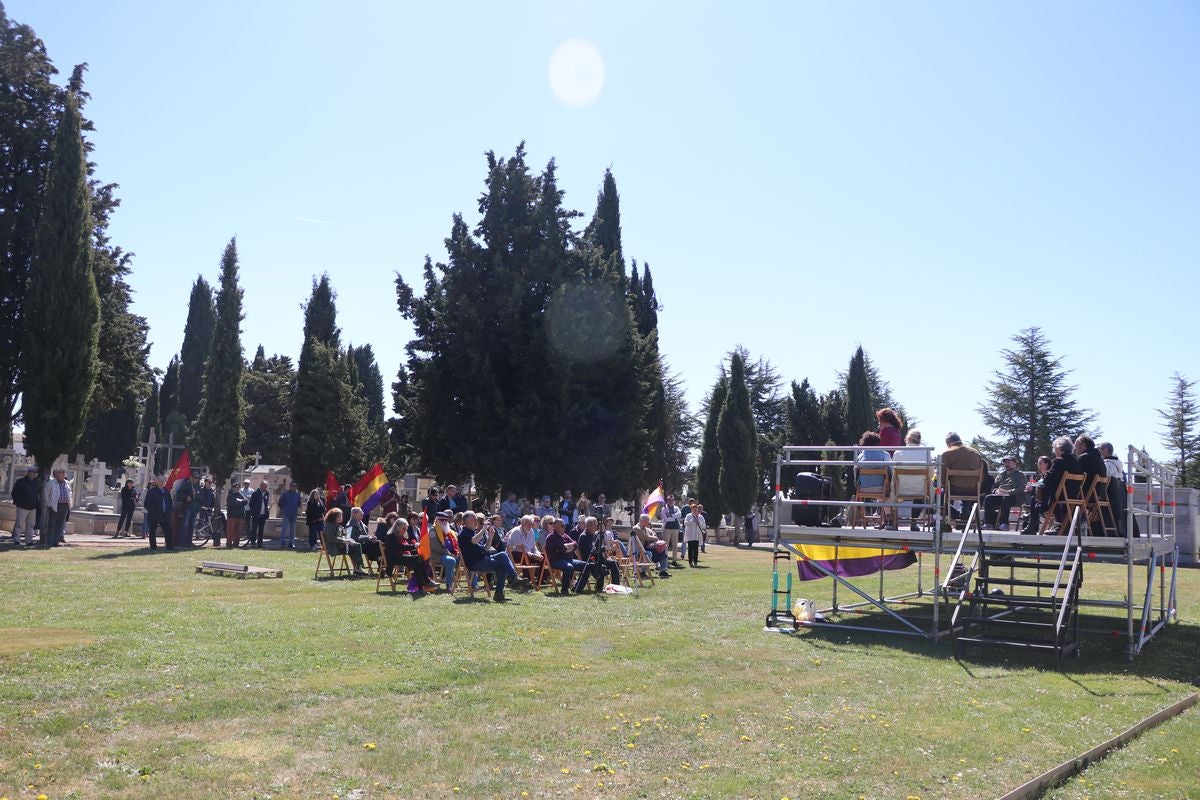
[207,525]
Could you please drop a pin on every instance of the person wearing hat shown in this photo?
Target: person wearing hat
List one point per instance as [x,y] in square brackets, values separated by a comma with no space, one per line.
[438,552]
[1007,491]
[235,511]
[25,497]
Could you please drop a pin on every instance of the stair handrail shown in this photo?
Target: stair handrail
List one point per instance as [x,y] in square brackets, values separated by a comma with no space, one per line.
[957,556]
[1062,561]
[1062,609]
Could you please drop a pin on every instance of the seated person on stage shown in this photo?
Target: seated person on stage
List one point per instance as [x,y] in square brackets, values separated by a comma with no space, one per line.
[590,539]
[472,543]
[401,551]
[336,543]
[1035,497]
[1064,462]
[1116,486]
[561,552]
[439,552]
[648,542]
[521,541]
[1090,460]
[1006,491]
[960,457]
[873,458]
[911,484]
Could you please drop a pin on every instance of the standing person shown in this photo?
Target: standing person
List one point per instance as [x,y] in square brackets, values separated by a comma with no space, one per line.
[129,498]
[429,506]
[25,498]
[453,502]
[693,533]
[402,506]
[510,511]
[341,501]
[289,507]
[56,497]
[235,510]
[566,509]
[545,508]
[158,512]
[206,507]
[889,429]
[600,508]
[391,501]
[184,515]
[704,521]
[260,509]
[671,516]
[314,516]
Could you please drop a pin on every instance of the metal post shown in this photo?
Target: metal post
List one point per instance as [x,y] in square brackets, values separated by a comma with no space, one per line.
[1130,474]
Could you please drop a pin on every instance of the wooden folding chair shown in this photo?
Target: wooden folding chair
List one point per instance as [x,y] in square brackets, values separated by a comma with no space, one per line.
[911,485]
[1099,511]
[395,580]
[325,562]
[882,492]
[530,569]
[963,485]
[1070,494]
[640,562]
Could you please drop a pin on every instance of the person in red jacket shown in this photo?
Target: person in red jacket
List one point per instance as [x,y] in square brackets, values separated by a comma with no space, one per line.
[889,429]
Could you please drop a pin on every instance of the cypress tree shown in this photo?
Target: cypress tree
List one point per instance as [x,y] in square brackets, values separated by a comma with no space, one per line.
[270,387]
[30,105]
[860,408]
[311,445]
[737,442]
[171,421]
[197,341]
[370,382]
[62,307]
[604,231]
[218,431]
[646,312]
[708,470]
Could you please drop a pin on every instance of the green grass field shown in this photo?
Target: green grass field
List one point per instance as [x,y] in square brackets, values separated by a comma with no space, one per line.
[124,675]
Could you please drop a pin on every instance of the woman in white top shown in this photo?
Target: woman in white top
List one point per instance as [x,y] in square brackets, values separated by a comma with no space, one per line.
[693,533]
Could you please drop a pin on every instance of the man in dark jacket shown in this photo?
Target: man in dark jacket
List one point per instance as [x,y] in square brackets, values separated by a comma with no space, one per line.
[260,509]
[235,510]
[158,512]
[206,507]
[1063,463]
[472,542]
[184,516]
[26,497]
[1090,459]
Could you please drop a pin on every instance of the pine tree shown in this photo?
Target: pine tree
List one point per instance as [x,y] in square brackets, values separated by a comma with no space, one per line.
[62,311]
[218,432]
[737,442]
[1181,428]
[30,106]
[1030,402]
[311,446]
[708,470]
[197,341]
[860,406]
[270,391]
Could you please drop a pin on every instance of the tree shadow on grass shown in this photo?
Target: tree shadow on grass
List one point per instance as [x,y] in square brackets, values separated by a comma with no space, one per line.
[129,551]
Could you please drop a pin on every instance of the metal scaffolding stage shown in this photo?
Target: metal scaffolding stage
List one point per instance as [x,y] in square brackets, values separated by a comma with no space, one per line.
[946,560]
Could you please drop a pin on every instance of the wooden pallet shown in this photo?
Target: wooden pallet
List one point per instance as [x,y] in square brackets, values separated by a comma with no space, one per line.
[237,570]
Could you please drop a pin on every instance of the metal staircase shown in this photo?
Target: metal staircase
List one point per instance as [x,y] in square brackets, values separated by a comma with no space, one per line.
[1022,599]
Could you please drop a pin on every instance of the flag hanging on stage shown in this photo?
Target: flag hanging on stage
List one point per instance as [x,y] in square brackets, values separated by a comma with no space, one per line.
[183,469]
[654,502]
[369,490]
[848,562]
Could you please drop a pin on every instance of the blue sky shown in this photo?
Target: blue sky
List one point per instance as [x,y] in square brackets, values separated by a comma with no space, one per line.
[925,179]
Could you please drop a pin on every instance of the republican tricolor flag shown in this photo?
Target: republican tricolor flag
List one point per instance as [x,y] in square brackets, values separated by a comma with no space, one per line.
[654,502]
[369,490]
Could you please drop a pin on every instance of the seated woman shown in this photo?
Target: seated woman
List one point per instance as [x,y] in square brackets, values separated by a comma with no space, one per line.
[871,457]
[912,481]
[889,429]
[401,551]
[335,543]
[1037,499]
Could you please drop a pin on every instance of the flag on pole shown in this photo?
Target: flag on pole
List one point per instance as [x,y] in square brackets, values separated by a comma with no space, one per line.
[332,487]
[183,469]
[654,502]
[423,542]
[369,490]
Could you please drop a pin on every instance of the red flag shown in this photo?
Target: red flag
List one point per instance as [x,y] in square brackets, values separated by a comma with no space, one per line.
[423,543]
[332,487]
[183,469]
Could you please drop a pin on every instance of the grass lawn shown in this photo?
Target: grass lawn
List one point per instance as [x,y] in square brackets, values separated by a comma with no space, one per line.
[125,675]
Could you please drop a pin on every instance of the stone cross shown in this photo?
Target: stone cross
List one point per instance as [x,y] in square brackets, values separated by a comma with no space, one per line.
[80,466]
[97,473]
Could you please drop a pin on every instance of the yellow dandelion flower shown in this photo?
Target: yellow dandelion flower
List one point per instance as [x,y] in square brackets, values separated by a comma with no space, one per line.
[369,746]
[565,771]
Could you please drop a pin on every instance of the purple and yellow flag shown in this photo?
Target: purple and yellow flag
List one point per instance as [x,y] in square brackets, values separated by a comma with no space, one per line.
[654,502]
[848,562]
[370,489]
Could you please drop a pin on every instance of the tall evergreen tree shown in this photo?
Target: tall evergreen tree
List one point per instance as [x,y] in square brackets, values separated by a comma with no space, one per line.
[312,445]
[173,426]
[645,312]
[604,231]
[62,311]
[197,341]
[708,470]
[270,391]
[737,442]
[860,405]
[833,418]
[112,435]
[1029,402]
[218,432]
[371,383]
[1181,428]
[150,419]
[30,105]
[803,412]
